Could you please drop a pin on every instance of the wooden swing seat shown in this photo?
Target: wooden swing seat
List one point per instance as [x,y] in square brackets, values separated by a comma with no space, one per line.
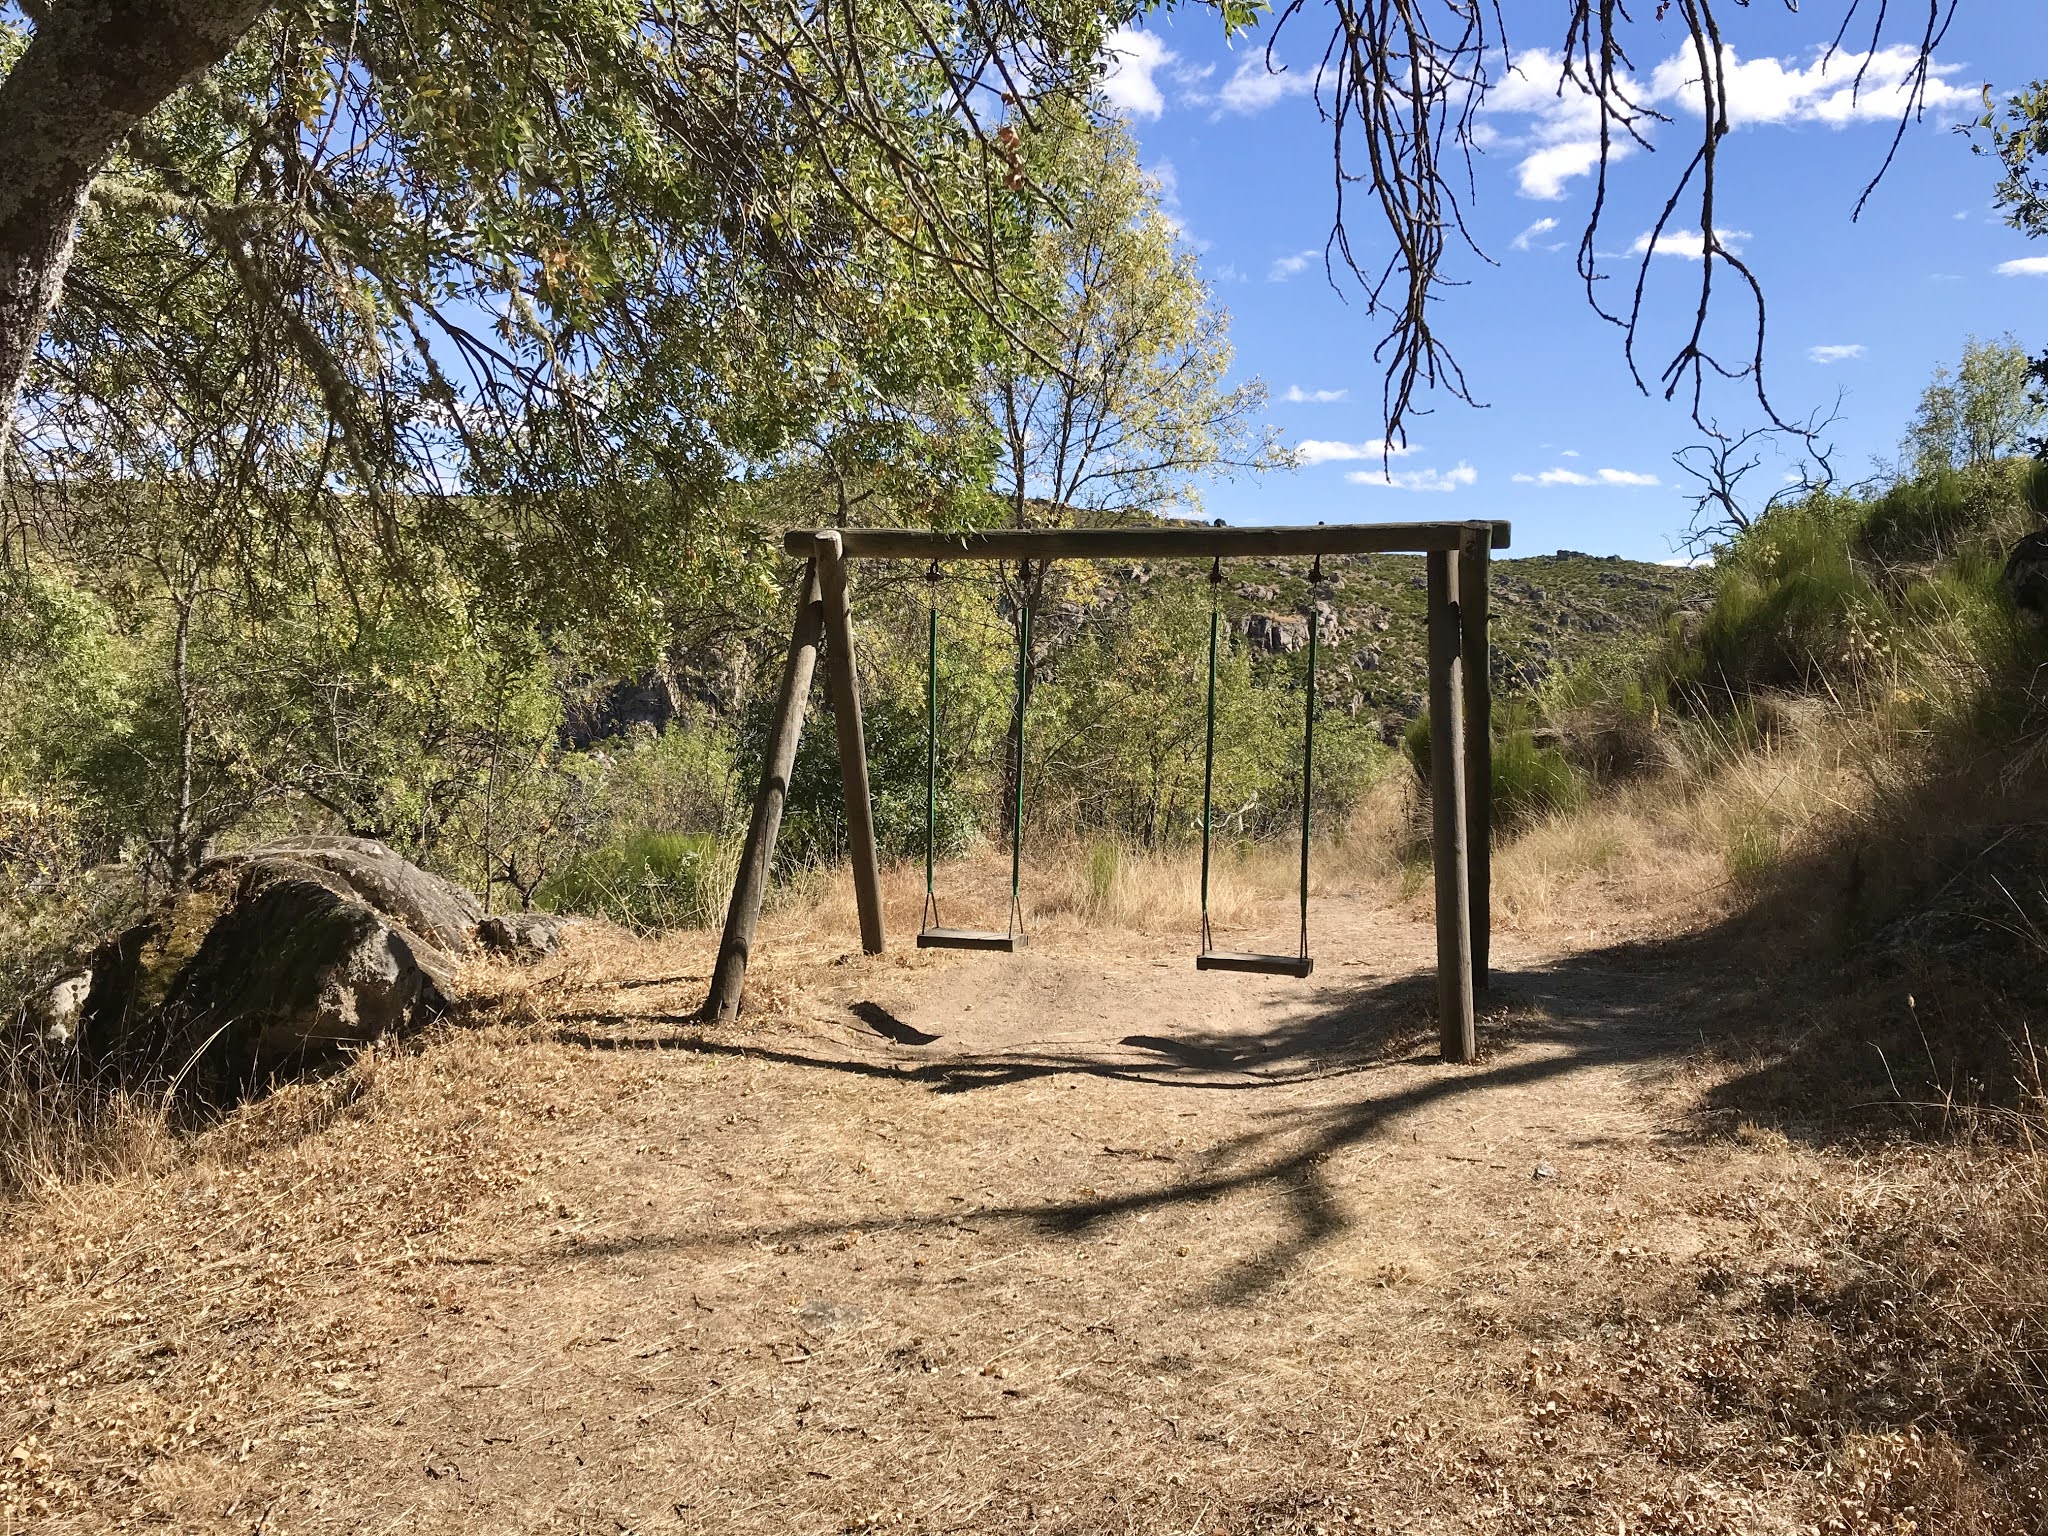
[1257,965]
[970,938]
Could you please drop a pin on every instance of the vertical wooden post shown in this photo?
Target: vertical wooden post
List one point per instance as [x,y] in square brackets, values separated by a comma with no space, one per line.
[1447,809]
[1474,561]
[750,884]
[843,679]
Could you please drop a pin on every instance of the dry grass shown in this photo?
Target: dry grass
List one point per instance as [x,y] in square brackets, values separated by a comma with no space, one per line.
[539,1275]
[1075,884]
[1694,845]
[55,1129]
[577,1263]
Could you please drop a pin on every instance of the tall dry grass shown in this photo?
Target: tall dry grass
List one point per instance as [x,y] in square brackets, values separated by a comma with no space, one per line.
[56,1127]
[1076,883]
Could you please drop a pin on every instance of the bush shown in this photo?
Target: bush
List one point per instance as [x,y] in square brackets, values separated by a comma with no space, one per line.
[1529,781]
[1791,607]
[1952,512]
[814,820]
[645,880]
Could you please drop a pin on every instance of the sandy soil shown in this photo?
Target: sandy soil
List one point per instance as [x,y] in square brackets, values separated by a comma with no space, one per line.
[1076,1240]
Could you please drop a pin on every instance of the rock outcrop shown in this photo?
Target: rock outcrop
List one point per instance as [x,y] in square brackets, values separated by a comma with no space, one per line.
[2026,576]
[522,935]
[278,960]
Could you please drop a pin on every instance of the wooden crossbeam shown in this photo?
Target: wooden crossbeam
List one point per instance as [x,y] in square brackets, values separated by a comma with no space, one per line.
[1182,542]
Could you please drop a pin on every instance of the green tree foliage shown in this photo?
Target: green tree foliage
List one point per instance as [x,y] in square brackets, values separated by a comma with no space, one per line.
[1118,408]
[2017,134]
[1978,414]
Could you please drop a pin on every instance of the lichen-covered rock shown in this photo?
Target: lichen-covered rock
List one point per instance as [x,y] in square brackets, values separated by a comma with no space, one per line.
[279,959]
[439,911]
[53,1011]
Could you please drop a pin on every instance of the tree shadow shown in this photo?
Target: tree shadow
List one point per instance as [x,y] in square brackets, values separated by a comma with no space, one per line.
[1637,1006]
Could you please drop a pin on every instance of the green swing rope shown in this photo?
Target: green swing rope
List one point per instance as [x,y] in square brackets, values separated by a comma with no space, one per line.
[1017,777]
[1308,753]
[931,749]
[1209,741]
[931,752]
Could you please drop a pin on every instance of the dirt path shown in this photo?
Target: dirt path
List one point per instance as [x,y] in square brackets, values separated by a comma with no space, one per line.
[1079,1240]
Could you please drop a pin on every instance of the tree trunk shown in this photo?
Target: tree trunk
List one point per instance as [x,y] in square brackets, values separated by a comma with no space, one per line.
[181,861]
[93,70]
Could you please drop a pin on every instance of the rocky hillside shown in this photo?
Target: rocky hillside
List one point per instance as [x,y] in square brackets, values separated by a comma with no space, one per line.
[1549,613]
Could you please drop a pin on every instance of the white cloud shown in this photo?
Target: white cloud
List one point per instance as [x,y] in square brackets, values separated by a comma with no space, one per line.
[1317,451]
[1561,118]
[1296,395]
[1525,240]
[1574,477]
[1134,57]
[1289,266]
[2025,266]
[1417,479]
[1688,243]
[1228,273]
[1569,453]
[1825,91]
[1843,353]
[1253,87]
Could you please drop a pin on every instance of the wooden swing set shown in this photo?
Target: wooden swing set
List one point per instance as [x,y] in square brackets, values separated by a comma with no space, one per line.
[1460,709]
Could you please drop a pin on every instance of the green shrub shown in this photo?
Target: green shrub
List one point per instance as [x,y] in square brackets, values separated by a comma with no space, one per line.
[814,819]
[1752,850]
[1921,519]
[1792,609]
[1099,870]
[1529,781]
[1951,512]
[644,880]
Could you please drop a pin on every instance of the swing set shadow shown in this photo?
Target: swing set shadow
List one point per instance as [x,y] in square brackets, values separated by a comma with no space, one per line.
[1460,702]
[1585,1012]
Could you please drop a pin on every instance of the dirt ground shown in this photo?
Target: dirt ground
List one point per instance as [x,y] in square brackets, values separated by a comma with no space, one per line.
[1078,1240]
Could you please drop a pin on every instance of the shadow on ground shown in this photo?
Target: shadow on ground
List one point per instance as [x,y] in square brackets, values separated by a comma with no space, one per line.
[1643,1006]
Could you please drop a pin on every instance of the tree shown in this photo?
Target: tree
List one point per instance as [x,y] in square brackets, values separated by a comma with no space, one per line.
[1721,507]
[2017,135]
[545,320]
[1981,413]
[661,152]
[1120,407]
[92,71]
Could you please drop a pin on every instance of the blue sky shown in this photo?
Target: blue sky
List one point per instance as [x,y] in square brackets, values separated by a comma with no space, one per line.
[1566,445]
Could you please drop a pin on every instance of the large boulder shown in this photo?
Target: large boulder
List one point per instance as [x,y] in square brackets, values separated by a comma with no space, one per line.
[362,869]
[2026,577]
[278,960]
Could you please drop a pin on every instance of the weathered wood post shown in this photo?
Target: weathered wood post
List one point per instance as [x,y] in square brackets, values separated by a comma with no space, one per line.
[1447,809]
[750,884]
[843,678]
[1474,562]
